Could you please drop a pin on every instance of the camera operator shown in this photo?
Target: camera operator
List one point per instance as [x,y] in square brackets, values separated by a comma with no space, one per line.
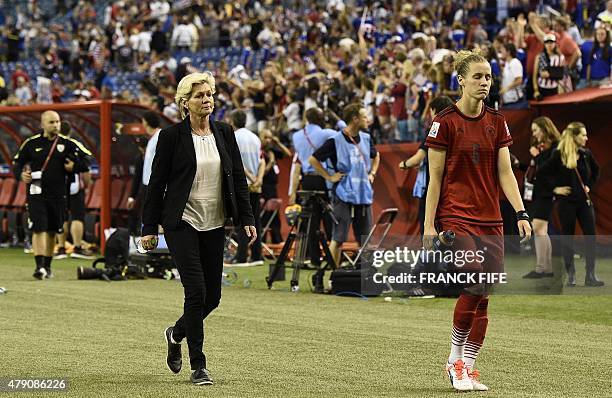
[306,141]
[44,161]
[355,161]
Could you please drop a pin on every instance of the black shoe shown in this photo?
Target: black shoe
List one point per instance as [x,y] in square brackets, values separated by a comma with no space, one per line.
[174,360]
[40,274]
[201,377]
[49,274]
[548,275]
[61,254]
[83,254]
[534,275]
[591,280]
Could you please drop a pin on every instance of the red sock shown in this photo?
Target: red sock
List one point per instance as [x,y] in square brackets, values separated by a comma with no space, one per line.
[463,317]
[477,333]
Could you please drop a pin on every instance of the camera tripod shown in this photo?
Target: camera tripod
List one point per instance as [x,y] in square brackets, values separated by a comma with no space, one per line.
[302,226]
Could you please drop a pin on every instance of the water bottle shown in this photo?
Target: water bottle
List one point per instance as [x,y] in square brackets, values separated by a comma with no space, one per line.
[140,248]
[445,239]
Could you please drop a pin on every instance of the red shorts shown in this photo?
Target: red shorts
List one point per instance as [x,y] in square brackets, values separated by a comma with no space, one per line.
[486,241]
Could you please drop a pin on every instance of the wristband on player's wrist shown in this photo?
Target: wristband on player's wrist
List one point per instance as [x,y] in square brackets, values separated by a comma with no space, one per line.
[522,215]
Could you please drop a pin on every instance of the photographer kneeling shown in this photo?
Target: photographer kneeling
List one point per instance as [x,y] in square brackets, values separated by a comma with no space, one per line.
[355,160]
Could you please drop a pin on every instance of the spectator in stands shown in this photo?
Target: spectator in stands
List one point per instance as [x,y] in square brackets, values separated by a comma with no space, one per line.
[604,17]
[293,115]
[511,91]
[354,161]
[538,193]
[23,91]
[13,39]
[249,145]
[183,37]
[549,70]
[19,72]
[573,171]
[596,60]
[399,116]
[273,150]
[159,40]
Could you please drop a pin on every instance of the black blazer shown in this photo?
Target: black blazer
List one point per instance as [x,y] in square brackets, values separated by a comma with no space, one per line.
[558,175]
[173,171]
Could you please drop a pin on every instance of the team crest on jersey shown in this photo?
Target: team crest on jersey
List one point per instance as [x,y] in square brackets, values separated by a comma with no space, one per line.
[490,130]
[507,129]
[60,148]
[433,132]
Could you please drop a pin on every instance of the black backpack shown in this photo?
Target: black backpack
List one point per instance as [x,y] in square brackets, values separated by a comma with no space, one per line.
[116,258]
[117,249]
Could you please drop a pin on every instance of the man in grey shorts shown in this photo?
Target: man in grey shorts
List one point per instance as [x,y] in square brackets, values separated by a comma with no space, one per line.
[355,160]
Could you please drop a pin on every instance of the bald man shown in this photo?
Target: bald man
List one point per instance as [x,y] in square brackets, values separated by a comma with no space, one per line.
[43,162]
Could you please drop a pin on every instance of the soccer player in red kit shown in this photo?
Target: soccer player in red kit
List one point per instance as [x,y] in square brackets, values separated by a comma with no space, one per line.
[469,161]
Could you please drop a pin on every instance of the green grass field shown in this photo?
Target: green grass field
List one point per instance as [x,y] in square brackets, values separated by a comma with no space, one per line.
[107,339]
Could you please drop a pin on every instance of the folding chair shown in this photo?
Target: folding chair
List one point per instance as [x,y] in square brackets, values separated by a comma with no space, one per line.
[271,205]
[375,238]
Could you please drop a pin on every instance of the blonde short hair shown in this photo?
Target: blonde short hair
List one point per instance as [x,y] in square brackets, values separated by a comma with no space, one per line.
[185,87]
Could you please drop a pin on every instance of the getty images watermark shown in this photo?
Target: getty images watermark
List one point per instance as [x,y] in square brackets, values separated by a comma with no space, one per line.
[419,263]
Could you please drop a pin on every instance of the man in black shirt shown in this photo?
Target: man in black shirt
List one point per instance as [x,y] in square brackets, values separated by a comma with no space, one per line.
[44,162]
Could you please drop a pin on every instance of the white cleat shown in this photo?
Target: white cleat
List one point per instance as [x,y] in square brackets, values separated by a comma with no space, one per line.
[473,374]
[458,375]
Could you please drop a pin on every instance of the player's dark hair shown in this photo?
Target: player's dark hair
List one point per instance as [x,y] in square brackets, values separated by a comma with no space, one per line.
[315,115]
[238,118]
[65,128]
[511,48]
[152,119]
[350,112]
[440,103]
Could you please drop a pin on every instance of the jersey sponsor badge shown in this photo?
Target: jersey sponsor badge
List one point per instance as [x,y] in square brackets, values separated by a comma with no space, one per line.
[433,132]
[60,148]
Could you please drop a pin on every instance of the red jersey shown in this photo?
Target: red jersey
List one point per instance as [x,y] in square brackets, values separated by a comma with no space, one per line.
[470,183]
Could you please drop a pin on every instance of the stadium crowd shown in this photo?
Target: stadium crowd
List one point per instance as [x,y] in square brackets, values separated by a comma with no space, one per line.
[392,58]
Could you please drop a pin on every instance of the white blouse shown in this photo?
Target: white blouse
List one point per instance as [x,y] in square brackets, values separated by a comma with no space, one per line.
[204,208]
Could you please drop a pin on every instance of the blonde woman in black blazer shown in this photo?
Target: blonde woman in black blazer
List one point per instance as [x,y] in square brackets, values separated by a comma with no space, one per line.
[197,180]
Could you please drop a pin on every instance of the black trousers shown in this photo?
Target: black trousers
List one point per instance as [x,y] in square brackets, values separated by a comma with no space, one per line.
[316,183]
[199,259]
[569,212]
[243,239]
[275,226]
